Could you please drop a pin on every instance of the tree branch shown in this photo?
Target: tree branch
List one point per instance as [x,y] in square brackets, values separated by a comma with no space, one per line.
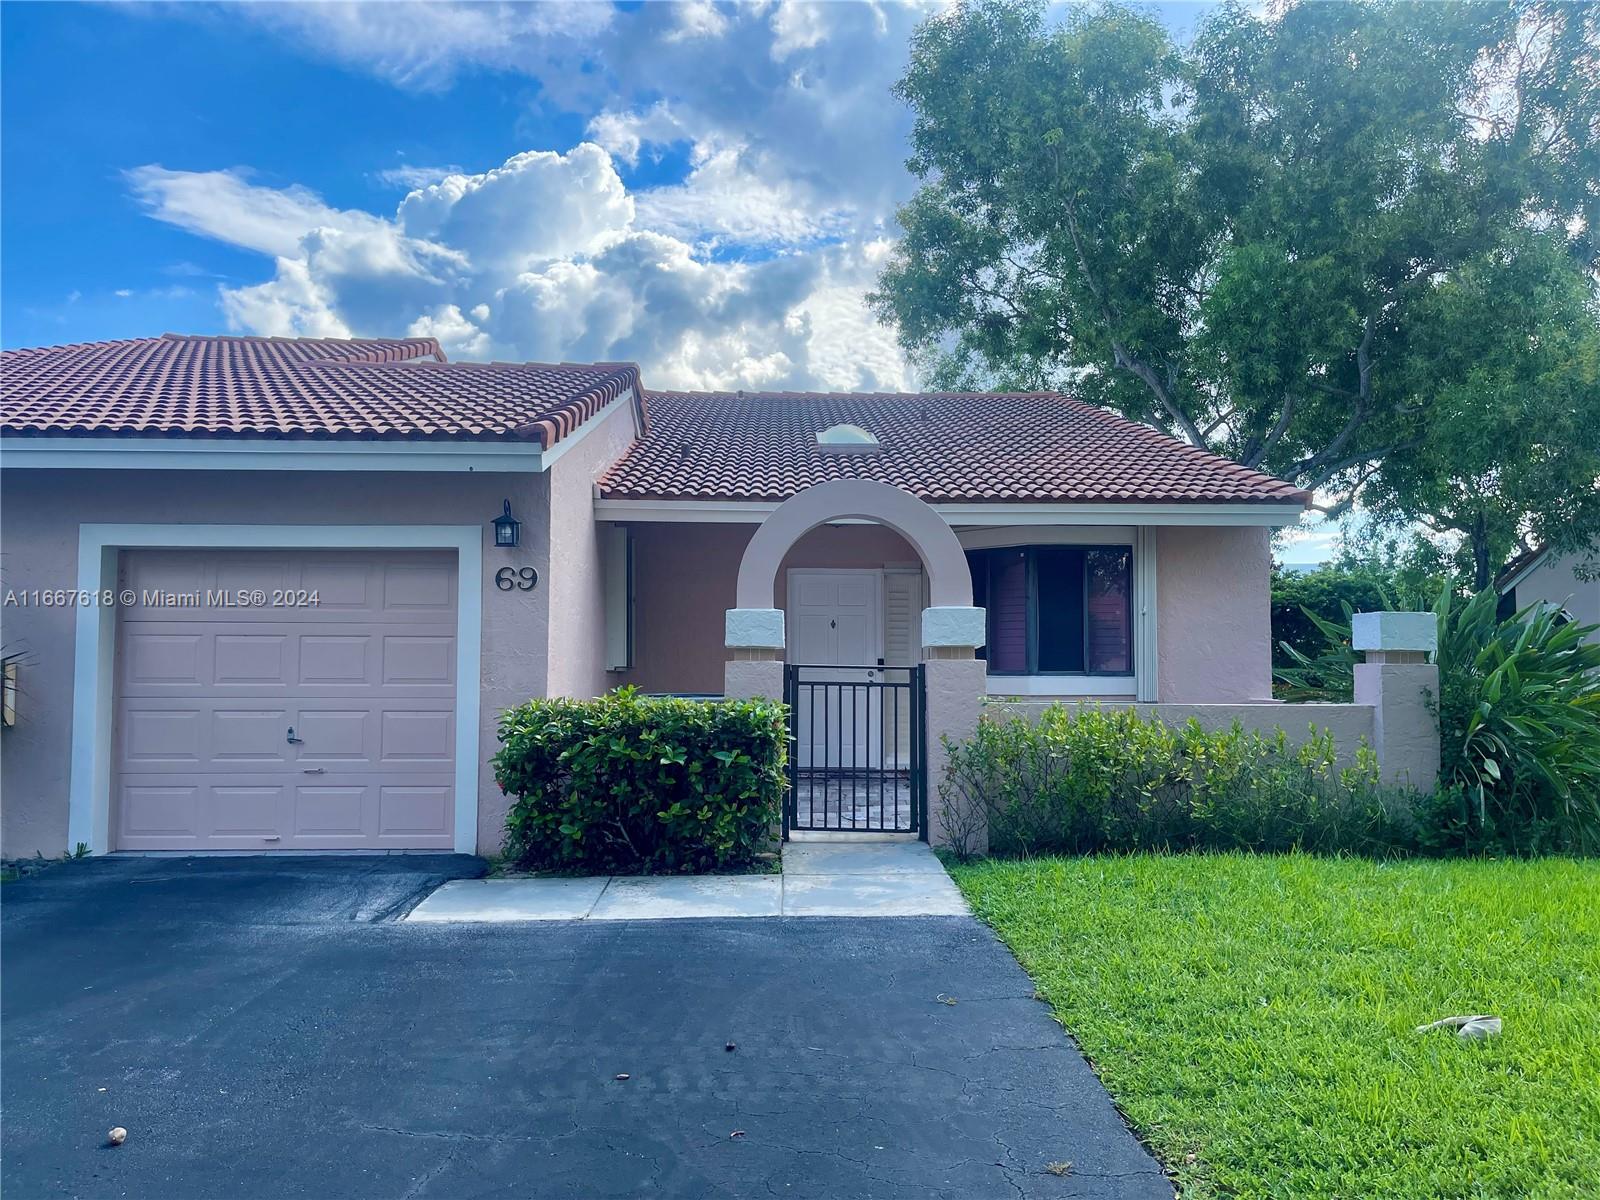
[1257,448]
[1329,470]
[1320,461]
[1119,352]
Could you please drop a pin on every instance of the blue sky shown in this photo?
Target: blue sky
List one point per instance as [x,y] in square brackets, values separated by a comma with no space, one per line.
[705,189]
[145,146]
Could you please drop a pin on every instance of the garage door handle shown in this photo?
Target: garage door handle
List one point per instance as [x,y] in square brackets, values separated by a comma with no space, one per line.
[294,741]
[315,770]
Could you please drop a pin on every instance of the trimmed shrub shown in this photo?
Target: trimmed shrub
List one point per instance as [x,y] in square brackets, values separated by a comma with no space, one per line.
[629,784]
[1076,781]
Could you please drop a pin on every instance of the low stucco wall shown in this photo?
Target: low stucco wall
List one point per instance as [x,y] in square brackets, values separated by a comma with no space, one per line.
[40,511]
[1350,724]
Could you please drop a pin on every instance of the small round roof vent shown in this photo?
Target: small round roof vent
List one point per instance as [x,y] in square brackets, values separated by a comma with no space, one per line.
[846,439]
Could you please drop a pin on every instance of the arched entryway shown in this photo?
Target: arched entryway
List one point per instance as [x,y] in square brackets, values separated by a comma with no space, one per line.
[860,742]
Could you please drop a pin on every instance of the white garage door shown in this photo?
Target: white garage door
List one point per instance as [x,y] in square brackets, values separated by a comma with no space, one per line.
[358,661]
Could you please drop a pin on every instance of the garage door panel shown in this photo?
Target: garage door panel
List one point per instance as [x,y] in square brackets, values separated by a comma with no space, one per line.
[347,659]
[253,659]
[412,659]
[253,571]
[418,587]
[249,739]
[337,736]
[419,736]
[164,659]
[163,739]
[160,809]
[414,810]
[323,810]
[207,696]
[342,585]
[253,810]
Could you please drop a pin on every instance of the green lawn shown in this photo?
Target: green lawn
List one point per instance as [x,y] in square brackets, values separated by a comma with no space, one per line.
[1254,1016]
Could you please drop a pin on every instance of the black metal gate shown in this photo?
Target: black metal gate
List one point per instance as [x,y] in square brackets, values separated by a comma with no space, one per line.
[857,745]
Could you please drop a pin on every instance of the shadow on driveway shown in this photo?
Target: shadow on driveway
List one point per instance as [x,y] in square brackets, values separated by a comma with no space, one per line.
[268,1028]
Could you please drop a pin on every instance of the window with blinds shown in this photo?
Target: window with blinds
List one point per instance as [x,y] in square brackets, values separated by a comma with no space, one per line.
[1056,610]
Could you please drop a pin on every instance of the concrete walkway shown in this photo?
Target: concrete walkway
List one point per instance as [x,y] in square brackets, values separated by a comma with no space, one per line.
[820,879]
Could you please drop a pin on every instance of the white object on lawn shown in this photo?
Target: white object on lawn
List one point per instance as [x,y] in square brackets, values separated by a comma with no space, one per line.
[1469,1028]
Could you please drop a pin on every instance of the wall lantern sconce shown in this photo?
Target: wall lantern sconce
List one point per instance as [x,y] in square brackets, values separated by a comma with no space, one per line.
[507,529]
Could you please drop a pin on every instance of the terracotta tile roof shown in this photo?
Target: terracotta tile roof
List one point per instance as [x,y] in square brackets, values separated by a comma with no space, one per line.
[944,447]
[296,388]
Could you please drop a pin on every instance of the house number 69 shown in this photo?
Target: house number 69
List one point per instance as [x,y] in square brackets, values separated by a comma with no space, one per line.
[524,579]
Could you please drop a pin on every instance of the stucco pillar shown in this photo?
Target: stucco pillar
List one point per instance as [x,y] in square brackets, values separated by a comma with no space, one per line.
[957,683]
[1402,687]
[754,637]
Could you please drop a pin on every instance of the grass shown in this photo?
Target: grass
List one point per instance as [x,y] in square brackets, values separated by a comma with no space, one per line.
[1254,1016]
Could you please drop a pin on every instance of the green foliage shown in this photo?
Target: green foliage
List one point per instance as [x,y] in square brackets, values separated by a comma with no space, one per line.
[1504,360]
[1254,1016]
[1346,243]
[1305,602]
[640,785]
[1077,781]
[1519,717]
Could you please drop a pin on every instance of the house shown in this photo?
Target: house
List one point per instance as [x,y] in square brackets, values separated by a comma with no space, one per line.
[1542,576]
[272,593]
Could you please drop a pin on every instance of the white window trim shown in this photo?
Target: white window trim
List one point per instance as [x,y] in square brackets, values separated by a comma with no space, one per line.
[1141,685]
[1109,687]
[89,796]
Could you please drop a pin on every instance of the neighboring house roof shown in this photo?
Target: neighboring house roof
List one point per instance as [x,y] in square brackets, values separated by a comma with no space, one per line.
[943,447]
[366,388]
[1515,570]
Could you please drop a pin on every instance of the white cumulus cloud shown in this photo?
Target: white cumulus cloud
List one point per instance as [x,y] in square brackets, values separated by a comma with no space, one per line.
[545,257]
[773,148]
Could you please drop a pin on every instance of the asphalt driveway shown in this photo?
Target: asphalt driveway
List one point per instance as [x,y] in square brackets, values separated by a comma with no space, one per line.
[271,1029]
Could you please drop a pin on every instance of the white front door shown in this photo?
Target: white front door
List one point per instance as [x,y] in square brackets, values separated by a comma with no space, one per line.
[835,621]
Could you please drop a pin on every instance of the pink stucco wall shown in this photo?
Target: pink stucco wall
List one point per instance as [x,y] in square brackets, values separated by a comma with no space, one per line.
[1213,631]
[684,581]
[1213,614]
[40,511]
[576,576]
[1213,628]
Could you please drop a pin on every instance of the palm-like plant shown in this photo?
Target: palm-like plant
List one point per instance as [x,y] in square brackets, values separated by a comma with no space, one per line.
[1519,714]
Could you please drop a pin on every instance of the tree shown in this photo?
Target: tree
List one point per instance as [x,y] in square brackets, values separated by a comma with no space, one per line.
[1504,358]
[1253,241]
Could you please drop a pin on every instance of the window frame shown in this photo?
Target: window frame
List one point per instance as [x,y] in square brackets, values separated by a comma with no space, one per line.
[1029,550]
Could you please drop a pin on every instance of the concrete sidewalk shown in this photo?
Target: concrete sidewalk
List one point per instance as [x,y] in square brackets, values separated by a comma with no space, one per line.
[820,879]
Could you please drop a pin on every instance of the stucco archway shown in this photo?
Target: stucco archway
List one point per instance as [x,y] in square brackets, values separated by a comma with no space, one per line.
[949,582]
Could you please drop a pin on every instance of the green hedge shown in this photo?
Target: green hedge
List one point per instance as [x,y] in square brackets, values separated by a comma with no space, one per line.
[1081,780]
[628,784]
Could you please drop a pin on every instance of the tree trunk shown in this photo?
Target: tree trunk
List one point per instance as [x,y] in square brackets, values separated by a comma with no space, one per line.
[1480,553]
